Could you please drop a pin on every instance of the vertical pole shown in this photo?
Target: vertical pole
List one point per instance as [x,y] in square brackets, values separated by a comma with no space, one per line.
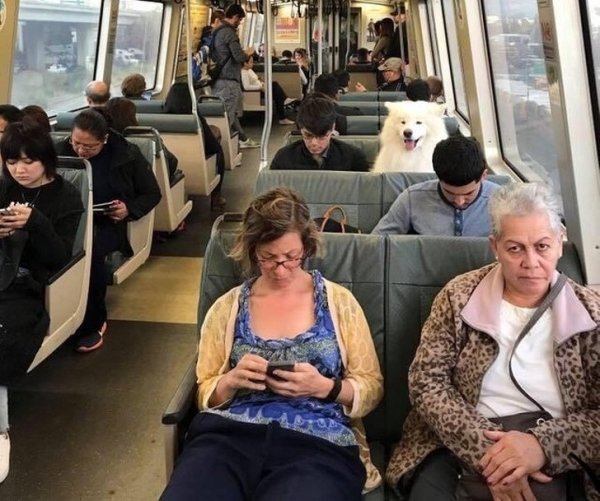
[320,42]
[264,143]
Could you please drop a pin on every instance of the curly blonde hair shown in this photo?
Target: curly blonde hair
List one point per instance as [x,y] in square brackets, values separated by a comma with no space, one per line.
[270,216]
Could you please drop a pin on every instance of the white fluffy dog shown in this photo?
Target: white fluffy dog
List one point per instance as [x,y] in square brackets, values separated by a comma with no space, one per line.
[409,135]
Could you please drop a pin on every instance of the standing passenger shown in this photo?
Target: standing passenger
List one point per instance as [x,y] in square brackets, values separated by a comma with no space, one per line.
[36,233]
[228,53]
[121,176]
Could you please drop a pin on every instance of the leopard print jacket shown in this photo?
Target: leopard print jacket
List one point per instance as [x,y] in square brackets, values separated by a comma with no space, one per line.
[446,375]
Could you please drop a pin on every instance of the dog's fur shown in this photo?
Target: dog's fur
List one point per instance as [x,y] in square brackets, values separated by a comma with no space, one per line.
[418,121]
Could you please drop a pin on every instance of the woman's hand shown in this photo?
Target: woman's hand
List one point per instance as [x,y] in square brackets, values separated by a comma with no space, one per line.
[514,456]
[249,374]
[118,211]
[360,87]
[304,381]
[15,220]
[517,491]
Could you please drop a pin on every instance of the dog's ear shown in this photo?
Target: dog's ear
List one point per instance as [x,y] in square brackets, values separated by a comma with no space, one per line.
[438,109]
[391,105]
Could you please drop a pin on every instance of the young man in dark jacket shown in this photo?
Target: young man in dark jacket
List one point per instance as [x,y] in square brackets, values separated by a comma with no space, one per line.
[318,150]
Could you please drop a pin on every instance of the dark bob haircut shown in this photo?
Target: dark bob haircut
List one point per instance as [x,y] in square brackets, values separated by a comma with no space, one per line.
[93,121]
[28,139]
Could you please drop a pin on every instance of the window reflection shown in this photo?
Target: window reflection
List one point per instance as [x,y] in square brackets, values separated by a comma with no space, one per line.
[460,95]
[521,89]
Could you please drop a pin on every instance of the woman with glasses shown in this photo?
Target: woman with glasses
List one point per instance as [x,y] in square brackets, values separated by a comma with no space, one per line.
[125,189]
[39,215]
[286,367]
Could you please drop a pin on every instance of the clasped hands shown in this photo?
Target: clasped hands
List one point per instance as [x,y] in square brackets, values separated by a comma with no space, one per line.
[251,374]
[510,462]
[15,219]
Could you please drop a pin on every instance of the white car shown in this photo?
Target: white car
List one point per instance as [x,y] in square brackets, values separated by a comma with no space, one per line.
[57,68]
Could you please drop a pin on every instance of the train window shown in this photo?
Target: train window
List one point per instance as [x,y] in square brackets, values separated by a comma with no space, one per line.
[521,89]
[594,33]
[55,53]
[138,42]
[460,95]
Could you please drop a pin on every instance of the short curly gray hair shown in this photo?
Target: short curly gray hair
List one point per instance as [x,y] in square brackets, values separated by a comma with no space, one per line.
[522,199]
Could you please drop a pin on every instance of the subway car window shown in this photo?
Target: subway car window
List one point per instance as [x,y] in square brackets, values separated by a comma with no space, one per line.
[594,31]
[460,94]
[138,41]
[55,53]
[521,89]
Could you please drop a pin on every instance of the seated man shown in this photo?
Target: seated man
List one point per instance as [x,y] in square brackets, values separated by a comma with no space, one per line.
[327,85]
[456,204]
[318,150]
[392,74]
[97,93]
[286,58]
[418,90]
[133,86]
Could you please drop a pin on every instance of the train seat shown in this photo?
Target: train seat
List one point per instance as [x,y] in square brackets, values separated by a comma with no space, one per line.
[253,100]
[67,291]
[183,136]
[286,75]
[364,74]
[151,106]
[373,96]
[173,207]
[139,232]
[213,109]
[359,196]
[371,125]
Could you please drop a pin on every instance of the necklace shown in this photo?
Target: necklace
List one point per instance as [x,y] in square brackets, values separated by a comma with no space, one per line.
[31,203]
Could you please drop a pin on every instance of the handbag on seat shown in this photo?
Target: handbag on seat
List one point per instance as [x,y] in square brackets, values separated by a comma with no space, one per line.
[329,224]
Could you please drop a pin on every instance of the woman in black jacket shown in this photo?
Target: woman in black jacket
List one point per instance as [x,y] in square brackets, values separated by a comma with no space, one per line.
[38,222]
[123,180]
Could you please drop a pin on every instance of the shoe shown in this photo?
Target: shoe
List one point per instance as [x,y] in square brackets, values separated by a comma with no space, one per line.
[289,100]
[248,143]
[217,202]
[92,341]
[4,455]
[286,121]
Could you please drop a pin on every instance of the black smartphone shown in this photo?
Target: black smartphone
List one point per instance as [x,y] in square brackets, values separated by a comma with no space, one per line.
[282,365]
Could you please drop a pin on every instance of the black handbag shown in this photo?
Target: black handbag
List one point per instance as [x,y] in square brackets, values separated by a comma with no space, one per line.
[471,485]
[11,250]
[328,224]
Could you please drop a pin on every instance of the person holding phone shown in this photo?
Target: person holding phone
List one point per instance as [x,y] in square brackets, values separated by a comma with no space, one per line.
[38,222]
[124,183]
[286,369]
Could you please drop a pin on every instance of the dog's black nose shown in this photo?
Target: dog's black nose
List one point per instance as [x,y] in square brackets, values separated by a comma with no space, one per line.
[408,133]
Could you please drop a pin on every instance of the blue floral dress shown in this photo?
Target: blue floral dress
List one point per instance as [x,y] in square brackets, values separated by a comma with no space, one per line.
[317,346]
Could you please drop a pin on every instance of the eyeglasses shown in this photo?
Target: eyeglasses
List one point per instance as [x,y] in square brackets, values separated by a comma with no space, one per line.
[288,264]
[85,147]
[308,136]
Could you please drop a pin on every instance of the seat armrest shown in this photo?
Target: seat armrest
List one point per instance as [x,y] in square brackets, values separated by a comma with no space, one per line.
[184,396]
[74,259]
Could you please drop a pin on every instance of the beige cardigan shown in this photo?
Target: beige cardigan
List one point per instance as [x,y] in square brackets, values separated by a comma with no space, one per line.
[361,367]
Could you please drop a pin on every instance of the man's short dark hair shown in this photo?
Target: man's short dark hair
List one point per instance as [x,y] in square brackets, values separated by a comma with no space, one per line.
[235,10]
[327,83]
[418,90]
[286,53]
[458,160]
[217,14]
[343,78]
[10,113]
[316,114]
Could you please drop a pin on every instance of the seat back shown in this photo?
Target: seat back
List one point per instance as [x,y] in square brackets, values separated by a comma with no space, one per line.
[183,136]
[152,106]
[417,268]
[66,292]
[364,74]
[364,125]
[358,193]
[373,96]
[212,108]
[354,261]
[64,120]
[286,75]
[139,232]
[173,206]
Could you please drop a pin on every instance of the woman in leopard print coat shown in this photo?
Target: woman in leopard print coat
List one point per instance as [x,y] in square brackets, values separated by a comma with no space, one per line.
[459,377]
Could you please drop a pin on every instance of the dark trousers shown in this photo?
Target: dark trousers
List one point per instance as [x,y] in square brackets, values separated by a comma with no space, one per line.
[435,478]
[279,98]
[233,461]
[212,146]
[105,241]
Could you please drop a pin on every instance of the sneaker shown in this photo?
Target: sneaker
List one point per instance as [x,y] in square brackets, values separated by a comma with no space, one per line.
[248,143]
[286,121]
[289,100]
[92,341]
[4,455]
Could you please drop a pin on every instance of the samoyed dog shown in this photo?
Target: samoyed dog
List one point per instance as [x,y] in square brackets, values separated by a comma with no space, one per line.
[409,135]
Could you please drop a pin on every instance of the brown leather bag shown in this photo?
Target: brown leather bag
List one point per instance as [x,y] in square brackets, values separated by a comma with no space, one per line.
[329,224]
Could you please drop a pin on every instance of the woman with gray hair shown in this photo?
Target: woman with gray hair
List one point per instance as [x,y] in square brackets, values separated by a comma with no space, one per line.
[505,384]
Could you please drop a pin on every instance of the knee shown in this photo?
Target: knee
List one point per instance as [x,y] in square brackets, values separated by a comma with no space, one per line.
[216,132]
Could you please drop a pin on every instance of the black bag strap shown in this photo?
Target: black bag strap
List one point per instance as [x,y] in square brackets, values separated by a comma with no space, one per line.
[550,297]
